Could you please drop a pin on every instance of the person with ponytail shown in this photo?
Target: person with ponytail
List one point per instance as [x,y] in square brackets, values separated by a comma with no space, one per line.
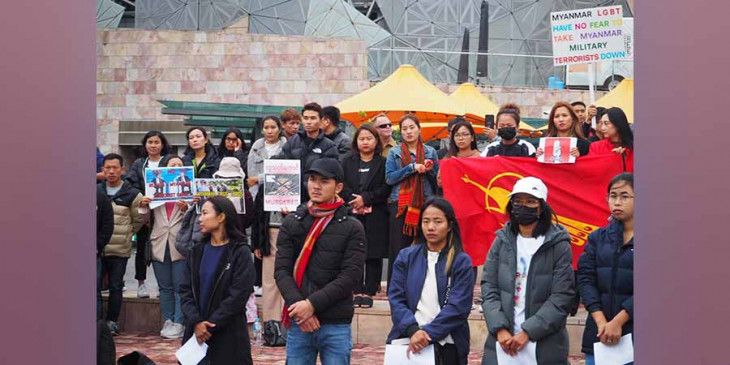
[508,121]
[411,170]
[321,252]
[432,288]
[529,249]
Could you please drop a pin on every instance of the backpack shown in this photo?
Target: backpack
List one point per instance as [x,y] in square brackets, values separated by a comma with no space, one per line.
[189,233]
[274,334]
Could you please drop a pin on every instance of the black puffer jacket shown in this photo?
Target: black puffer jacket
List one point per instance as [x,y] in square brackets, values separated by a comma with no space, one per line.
[606,279]
[307,150]
[208,166]
[136,173]
[235,277]
[335,266]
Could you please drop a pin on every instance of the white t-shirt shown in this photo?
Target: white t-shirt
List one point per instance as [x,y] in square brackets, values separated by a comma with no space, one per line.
[111,191]
[428,306]
[153,164]
[272,149]
[526,248]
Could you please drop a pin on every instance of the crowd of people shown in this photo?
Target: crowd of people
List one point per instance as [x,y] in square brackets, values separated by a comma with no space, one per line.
[366,198]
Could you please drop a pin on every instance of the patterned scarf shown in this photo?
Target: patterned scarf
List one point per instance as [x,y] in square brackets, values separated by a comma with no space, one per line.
[323,214]
[410,194]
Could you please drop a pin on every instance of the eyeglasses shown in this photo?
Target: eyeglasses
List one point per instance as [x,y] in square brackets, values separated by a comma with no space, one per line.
[530,203]
[623,198]
[384,126]
[462,135]
[231,139]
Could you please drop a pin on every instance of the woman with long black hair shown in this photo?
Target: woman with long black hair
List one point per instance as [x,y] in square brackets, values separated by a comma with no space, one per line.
[617,137]
[154,148]
[367,193]
[233,145]
[217,282]
[432,287]
[200,153]
[411,171]
[563,122]
[529,249]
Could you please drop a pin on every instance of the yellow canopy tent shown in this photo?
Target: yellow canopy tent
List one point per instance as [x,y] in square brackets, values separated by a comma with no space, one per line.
[404,91]
[475,105]
[622,96]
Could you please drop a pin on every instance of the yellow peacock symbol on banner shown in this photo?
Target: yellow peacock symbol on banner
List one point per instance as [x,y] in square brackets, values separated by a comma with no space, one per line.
[578,230]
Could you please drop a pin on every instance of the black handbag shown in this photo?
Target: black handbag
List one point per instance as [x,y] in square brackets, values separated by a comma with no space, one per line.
[274,334]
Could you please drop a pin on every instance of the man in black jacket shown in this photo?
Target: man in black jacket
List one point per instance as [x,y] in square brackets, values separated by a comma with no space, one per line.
[331,127]
[104,230]
[310,144]
[320,258]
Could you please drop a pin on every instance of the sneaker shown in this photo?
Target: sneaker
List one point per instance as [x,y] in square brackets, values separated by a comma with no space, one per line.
[258,291]
[142,291]
[357,301]
[366,302]
[165,328]
[175,331]
[113,328]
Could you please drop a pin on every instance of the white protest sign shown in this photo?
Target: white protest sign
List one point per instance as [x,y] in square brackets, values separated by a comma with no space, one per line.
[587,35]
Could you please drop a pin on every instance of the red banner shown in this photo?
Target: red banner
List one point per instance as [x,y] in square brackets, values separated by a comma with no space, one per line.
[478,189]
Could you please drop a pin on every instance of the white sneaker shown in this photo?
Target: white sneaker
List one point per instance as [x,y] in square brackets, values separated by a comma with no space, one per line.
[142,291]
[176,330]
[165,328]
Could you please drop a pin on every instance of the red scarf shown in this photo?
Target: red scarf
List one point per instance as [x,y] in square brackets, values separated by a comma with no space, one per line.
[323,214]
[410,194]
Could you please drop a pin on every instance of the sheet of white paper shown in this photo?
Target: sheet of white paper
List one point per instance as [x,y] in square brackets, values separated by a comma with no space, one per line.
[619,354]
[396,355]
[191,353]
[527,356]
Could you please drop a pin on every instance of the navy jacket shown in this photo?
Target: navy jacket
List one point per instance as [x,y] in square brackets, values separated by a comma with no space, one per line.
[606,279]
[404,292]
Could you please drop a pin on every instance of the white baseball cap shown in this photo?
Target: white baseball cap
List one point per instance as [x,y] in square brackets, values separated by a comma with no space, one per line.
[230,167]
[530,185]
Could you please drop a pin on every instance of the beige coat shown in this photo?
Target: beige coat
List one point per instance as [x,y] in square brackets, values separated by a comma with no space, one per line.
[164,232]
[127,221]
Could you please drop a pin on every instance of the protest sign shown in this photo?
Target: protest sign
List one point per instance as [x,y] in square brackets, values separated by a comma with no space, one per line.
[557,149]
[587,35]
[166,184]
[282,185]
[229,188]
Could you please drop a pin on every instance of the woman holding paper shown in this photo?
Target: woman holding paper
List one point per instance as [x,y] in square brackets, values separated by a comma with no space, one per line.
[606,271]
[432,287]
[217,282]
[563,122]
[167,262]
[617,137]
[367,193]
[265,227]
[527,285]
[233,145]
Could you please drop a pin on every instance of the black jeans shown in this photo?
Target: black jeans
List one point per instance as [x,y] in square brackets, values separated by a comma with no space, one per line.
[398,240]
[140,260]
[373,273]
[115,267]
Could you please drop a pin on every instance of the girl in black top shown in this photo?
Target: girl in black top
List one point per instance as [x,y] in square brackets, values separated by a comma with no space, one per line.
[200,153]
[217,282]
[367,193]
[233,145]
[508,121]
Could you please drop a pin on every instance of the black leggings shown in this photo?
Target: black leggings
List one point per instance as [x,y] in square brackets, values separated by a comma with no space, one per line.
[398,240]
[140,260]
[373,273]
[446,354]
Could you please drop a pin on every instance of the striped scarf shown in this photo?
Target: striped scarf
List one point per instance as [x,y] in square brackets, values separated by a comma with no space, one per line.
[410,194]
[323,214]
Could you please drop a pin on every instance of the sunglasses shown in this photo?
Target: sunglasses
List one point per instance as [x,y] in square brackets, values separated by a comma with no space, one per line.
[384,126]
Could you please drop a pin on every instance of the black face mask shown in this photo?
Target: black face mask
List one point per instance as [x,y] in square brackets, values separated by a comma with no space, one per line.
[507,133]
[525,215]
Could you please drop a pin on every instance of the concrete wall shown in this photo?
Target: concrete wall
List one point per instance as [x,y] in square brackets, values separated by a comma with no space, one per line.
[137,67]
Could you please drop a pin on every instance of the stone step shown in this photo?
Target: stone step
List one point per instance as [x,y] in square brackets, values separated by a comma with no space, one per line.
[369,325]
